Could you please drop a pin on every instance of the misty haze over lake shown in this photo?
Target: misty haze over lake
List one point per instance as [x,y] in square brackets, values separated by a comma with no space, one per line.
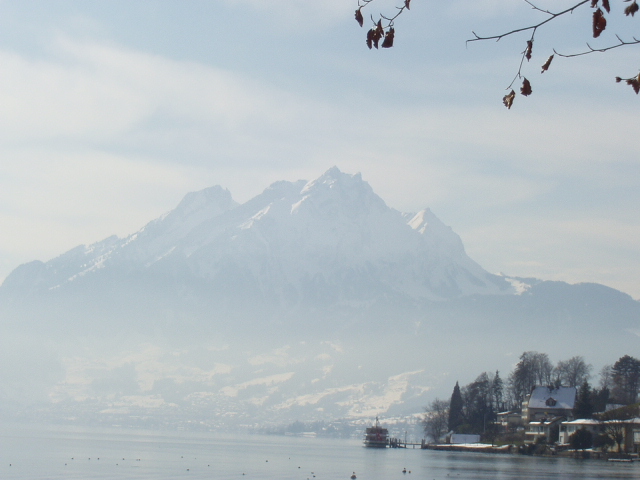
[313,301]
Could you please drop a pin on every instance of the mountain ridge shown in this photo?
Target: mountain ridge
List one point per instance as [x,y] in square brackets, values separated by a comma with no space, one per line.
[313,300]
[336,220]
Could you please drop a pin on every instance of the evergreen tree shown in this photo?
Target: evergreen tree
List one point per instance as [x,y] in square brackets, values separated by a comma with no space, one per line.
[581,440]
[583,407]
[599,399]
[456,416]
[626,379]
[478,410]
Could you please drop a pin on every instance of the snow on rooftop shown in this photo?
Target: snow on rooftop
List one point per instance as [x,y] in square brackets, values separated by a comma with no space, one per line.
[583,421]
[553,398]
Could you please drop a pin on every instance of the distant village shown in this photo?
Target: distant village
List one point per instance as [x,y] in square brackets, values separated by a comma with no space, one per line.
[544,409]
[541,409]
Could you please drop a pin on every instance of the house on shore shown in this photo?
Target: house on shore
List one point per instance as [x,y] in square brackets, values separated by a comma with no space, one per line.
[509,421]
[545,409]
[546,427]
[547,402]
[630,431]
[568,428]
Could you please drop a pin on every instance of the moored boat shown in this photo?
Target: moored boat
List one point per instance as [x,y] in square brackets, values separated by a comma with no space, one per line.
[376,436]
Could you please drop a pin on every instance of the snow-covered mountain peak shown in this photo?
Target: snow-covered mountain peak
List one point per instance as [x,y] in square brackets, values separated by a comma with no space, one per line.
[337,194]
[195,209]
[328,239]
[214,200]
[334,178]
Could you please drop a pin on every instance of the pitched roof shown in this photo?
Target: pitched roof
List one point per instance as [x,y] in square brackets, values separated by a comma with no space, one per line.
[553,398]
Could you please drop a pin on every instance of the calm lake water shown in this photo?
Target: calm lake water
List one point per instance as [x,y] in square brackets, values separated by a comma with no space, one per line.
[28,453]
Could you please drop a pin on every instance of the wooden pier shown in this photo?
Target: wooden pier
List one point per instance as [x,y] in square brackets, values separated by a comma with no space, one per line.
[398,443]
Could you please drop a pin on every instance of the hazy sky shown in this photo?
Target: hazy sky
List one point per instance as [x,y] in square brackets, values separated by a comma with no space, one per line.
[111,111]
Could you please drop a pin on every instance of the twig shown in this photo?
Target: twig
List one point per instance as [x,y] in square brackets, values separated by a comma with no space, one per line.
[593,50]
[363,3]
[552,16]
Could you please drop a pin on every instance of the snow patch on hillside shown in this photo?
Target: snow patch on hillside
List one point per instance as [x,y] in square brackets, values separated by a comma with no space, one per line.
[372,404]
[232,391]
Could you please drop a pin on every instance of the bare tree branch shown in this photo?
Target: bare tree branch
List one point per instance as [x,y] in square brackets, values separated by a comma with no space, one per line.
[599,25]
[552,16]
[532,28]
[593,50]
[384,29]
[363,3]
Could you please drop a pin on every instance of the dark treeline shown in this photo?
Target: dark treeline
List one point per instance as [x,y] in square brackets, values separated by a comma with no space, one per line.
[473,408]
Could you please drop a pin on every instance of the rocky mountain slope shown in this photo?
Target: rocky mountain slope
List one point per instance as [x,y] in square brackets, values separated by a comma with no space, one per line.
[313,300]
[329,240]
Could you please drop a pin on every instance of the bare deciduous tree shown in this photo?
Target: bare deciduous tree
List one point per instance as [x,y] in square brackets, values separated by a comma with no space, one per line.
[573,372]
[533,369]
[606,376]
[436,419]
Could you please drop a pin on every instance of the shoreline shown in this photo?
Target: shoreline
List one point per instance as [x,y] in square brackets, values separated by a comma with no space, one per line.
[515,450]
[472,447]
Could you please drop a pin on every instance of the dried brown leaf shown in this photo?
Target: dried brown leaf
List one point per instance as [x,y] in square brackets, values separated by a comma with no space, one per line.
[508,99]
[526,88]
[359,17]
[378,33]
[406,4]
[635,83]
[529,49]
[631,9]
[605,5]
[545,67]
[599,23]
[388,38]
[374,35]
[594,3]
